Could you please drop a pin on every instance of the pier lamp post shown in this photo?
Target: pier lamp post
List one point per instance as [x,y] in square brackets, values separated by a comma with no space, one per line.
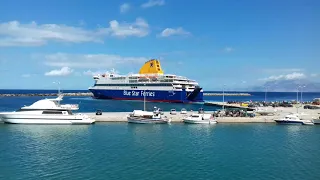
[265,94]
[301,93]
[223,87]
[297,95]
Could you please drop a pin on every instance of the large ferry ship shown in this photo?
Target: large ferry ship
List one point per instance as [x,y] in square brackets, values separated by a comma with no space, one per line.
[151,84]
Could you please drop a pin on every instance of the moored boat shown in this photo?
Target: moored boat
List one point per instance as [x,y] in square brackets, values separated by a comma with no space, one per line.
[316,121]
[200,118]
[293,119]
[145,117]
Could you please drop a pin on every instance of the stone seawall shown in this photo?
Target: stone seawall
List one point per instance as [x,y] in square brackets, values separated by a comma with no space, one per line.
[226,94]
[46,94]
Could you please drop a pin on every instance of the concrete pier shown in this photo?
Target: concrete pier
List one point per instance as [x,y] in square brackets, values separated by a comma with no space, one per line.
[226,94]
[281,112]
[226,105]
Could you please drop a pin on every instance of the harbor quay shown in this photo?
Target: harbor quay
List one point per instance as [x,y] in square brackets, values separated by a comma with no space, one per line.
[226,94]
[178,117]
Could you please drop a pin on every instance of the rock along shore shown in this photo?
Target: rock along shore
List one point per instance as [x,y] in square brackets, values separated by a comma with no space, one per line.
[227,94]
[46,94]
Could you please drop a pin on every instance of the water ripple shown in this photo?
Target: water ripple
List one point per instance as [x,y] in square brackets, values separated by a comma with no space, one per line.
[176,151]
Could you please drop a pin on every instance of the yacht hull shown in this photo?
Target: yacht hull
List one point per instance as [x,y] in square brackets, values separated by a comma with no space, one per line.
[189,121]
[289,122]
[138,120]
[38,119]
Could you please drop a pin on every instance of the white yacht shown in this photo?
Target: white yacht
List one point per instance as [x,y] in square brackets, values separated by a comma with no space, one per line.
[46,111]
[200,118]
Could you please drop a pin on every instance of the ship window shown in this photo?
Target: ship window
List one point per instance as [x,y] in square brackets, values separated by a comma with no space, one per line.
[52,112]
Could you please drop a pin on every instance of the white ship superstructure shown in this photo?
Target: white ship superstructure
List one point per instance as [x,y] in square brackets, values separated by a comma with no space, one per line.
[150,82]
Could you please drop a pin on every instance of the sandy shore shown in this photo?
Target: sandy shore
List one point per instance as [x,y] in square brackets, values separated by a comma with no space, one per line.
[281,112]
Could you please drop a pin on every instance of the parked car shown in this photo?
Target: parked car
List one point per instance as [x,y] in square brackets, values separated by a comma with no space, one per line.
[99,112]
[183,111]
[173,112]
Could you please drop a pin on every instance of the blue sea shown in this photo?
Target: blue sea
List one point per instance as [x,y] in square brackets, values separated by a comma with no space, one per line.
[160,152]
[88,104]
[259,151]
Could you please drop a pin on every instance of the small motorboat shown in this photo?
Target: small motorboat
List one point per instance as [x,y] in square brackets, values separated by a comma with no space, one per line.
[308,122]
[293,119]
[200,118]
[316,121]
[145,117]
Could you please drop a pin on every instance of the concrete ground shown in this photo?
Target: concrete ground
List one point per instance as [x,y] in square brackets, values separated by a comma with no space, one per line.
[280,112]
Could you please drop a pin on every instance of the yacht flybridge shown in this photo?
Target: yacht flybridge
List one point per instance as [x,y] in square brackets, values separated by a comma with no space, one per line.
[46,111]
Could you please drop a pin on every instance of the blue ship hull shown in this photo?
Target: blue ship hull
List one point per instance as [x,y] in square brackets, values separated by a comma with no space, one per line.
[150,95]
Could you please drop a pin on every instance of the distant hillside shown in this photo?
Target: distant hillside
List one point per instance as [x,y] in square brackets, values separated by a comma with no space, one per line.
[288,86]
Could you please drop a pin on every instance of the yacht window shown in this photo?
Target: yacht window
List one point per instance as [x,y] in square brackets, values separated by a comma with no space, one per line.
[52,112]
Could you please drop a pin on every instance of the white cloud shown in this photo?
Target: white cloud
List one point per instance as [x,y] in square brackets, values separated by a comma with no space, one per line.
[92,73]
[314,75]
[292,76]
[64,71]
[14,33]
[82,23]
[26,75]
[170,32]
[125,7]
[152,3]
[89,60]
[282,70]
[139,28]
[228,49]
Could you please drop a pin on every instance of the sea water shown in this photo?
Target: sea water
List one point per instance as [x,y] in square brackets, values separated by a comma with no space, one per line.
[166,151]
[88,104]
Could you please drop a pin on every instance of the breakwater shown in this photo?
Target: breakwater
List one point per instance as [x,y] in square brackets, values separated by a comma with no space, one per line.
[227,94]
[90,94]
[45,94]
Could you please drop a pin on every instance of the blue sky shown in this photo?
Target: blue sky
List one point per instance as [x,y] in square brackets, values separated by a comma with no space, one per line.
[216,42]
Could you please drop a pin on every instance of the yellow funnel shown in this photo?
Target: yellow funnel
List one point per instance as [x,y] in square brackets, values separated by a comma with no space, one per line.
[152,66]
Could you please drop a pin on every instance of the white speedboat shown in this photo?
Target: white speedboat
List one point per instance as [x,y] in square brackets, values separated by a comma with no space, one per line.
[316,121]
[46,111]
[145,117]
[200,118]
[293,119]
[308,122]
